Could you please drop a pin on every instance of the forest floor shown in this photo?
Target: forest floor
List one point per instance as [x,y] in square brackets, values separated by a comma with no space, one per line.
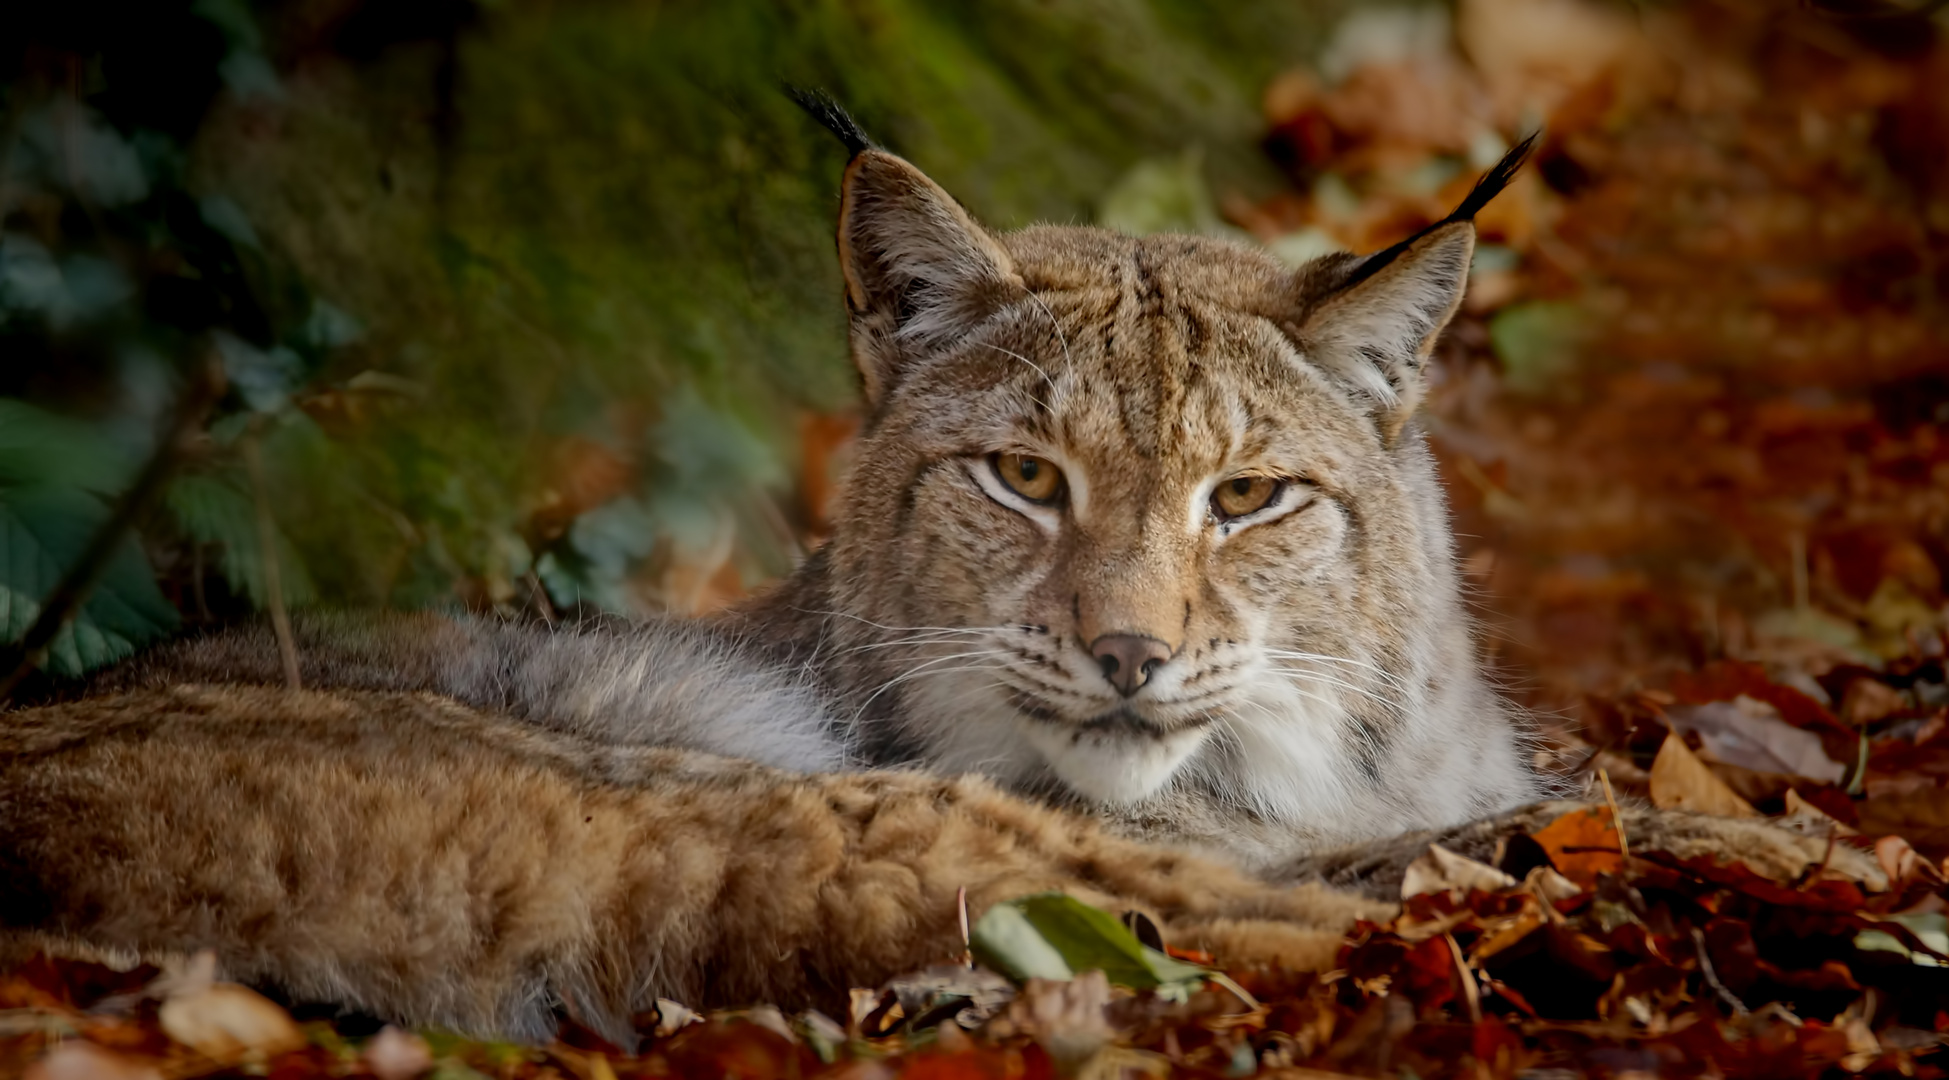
[1695,420]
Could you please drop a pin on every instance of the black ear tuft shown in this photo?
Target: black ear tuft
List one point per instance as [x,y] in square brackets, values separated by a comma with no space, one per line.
[1485,189]
[1495,180]
[821,107]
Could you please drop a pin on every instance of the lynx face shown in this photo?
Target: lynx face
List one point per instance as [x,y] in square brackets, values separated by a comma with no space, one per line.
[1132,515]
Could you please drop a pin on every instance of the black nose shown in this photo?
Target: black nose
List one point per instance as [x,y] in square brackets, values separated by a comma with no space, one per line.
[1129,659]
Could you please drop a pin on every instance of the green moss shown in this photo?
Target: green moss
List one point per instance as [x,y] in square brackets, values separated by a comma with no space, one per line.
[628,207]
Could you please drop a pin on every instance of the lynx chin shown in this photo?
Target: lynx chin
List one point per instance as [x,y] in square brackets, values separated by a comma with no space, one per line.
[1144,526]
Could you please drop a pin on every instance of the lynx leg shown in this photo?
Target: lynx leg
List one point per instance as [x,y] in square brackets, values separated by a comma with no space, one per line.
[409,858]
[1376,869]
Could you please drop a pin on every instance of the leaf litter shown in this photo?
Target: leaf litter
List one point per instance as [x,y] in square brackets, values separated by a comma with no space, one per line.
[1692,416]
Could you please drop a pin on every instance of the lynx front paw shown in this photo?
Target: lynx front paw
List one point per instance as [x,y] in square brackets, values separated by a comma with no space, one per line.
[1766,849]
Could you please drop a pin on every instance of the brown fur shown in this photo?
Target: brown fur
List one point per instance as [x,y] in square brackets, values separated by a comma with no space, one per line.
[1317,682]
[409,857]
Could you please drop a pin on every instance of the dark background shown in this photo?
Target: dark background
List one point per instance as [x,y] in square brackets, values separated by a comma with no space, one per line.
[533,306]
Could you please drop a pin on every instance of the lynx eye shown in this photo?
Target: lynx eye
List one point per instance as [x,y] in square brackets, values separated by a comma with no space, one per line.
[1242,495]
[1033,478]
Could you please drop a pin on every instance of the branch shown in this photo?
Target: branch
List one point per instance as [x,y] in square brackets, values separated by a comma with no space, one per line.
[20,659]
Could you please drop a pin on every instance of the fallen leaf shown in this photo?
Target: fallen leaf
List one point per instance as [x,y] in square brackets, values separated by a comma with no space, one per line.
[1680,781]
[1441,870]
[1582,844]
[1903,864]
[822,1033]
[228,1023]
[966,995]
[1750,733]
[771,1019]
[582,1064]
[1870,700]
[1550,886]
[672,1017]
[81,1060]
[396,1055]
[1053,936]
[1066,1018]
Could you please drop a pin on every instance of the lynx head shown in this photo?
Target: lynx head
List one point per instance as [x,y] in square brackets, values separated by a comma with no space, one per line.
[1134,514]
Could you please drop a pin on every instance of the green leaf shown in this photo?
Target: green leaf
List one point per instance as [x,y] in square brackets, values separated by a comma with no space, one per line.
[213,511]
[1007,941]
[40,529]
[1930,928]
[38,448]
[1053,936]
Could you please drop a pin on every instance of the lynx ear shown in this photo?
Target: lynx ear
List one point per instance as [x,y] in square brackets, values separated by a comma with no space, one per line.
[1374,320]
[1376,331]
[918,269]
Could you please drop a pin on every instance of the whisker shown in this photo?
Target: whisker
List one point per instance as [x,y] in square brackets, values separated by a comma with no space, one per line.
[909,629]
[1057,323]
[918,639]
[1302,693]
[1328,680]
[911,675]
[922,669]
[1019,356]
[1287,654]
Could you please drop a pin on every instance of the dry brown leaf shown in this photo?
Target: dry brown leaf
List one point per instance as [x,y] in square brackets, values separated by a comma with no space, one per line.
[1810,820]
[1870,700]
[1499,936]
[584,1064]
[1550,886]
[771,1019]
[80,1060]
[1582,844]
[1441,870]
[1750,733]
[396,1055]
[1903,864]
[228,1023]
[1680,781]
[1066,1017]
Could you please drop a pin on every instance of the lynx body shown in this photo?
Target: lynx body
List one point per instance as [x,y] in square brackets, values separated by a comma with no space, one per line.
[1140,531]
[1143,526]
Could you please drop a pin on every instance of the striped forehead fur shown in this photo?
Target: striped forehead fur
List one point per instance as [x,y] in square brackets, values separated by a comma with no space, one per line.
[1311,663]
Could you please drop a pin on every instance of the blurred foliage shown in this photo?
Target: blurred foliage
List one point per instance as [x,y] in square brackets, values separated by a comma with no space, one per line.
[522,304]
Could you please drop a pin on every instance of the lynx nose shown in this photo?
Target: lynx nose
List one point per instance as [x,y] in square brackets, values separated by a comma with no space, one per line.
[1129,659]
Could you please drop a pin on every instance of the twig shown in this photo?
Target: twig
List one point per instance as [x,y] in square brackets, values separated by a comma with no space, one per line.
[967,943]
[1712,977]
[1617,819]
[1470,992]
[542,603]
[61,604]
[287,647]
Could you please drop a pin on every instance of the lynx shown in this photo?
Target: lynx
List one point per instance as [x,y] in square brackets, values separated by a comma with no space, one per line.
[1143,527]
[1141,588]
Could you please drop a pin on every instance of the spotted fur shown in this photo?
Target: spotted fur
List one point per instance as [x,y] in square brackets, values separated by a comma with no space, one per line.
[1321,684]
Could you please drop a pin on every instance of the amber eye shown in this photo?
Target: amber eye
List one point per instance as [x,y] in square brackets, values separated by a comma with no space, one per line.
[1033,478]
[1242,495]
